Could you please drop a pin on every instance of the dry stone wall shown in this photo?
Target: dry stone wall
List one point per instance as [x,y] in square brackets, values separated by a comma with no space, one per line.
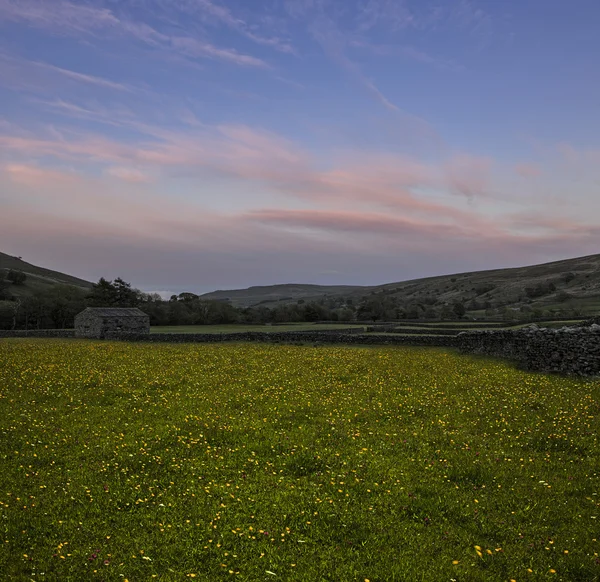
[50,333]
[569,350]
[289,337]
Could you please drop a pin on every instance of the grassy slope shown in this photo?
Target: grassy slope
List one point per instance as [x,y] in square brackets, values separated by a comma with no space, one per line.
[509,285]
[273,294]
[38,278]
[129,462]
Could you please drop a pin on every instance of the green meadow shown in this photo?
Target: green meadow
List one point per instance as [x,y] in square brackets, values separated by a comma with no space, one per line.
[255,462]
[241,328]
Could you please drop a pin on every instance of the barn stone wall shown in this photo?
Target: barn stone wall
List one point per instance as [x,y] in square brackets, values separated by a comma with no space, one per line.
[93,325]
[88,325]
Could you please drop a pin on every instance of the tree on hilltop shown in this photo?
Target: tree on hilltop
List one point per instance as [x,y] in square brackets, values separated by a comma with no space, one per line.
[117,293]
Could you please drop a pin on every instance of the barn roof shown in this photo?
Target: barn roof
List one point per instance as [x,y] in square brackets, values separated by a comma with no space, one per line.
[114,312]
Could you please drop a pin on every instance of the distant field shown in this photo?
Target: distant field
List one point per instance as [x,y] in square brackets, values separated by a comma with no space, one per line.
[426,327]
[438,328]
[461,324]
[123,461]
[588,305]
[234,328]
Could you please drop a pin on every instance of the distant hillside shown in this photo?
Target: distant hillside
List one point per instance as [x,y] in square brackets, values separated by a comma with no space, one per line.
[567,285]
[38,278]
[571,280]
[571,283]
[273,294]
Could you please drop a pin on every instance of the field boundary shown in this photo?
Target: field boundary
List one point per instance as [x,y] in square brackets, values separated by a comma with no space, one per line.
[570,350]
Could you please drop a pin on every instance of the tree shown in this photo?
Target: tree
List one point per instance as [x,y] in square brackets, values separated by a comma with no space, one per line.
[179,313]
[117,293]
[459,309]
[103,294]
[125,295]
[64,303]
[447,312]
[187,297]
[430,313]
[16,277]
[540,290]
[7,313]
[313,312]
[4,292]
[345,314]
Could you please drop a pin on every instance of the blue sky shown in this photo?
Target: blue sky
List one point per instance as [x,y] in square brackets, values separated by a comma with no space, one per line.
[204,144]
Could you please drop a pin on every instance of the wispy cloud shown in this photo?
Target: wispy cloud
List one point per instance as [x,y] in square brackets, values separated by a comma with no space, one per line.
[528,170]
[361,180]
[220,14]
[394,14]
[468,15]
[20,73]
[132,175]
[37,177]
[333,42]
[469,175]
[407,52]
[64,18]
[195,48]
[577,155]
[83,78]
[58,16]
[365,223]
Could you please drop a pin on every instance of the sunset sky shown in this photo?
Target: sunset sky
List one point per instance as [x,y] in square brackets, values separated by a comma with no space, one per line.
[213,144]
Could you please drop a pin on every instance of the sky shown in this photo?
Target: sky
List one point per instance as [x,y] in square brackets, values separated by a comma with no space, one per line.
[195,145]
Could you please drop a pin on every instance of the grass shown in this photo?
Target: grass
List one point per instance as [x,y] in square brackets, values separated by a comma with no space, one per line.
[239,328]
[38,278]
[393,333]
[255,462]
[589,306]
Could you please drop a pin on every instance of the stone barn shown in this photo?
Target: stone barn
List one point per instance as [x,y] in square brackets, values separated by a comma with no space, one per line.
[102,322]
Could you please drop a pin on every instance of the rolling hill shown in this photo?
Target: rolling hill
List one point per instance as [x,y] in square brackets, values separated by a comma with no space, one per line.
[567,283]
[38,278]
[271,295]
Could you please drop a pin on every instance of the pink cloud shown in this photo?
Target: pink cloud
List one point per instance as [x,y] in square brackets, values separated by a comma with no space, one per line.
[365,180]
[366,187]
[556,225]
[37,177]
[469,175]
[132,175]
[528,170]
[92,147]
[391,233]
[365,223]
[99,219]
[574,155]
